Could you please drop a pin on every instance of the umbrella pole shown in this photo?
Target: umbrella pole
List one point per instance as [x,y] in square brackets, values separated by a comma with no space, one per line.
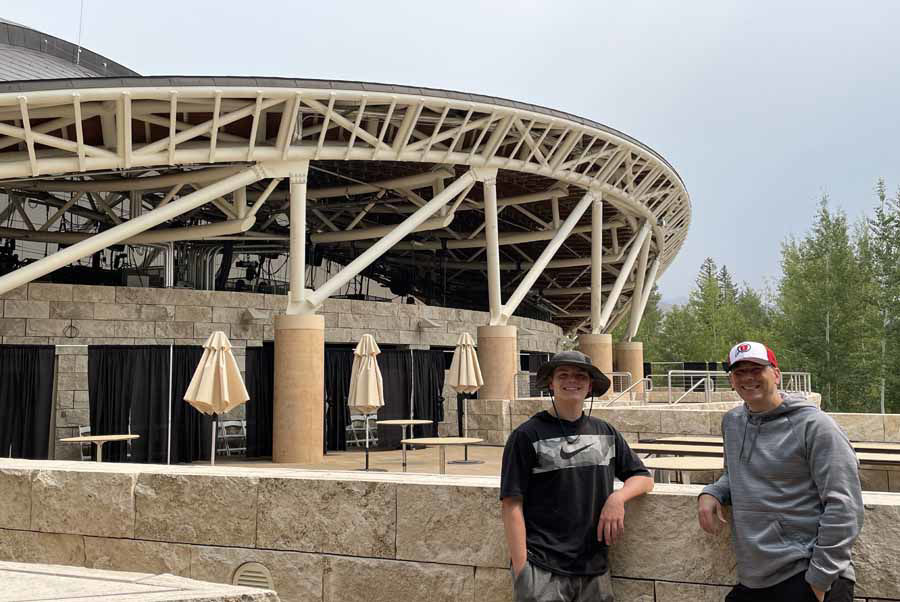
[465,459]
[367,442]
[215,432]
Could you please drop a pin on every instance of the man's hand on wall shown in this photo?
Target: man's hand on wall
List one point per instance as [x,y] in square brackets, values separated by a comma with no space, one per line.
[709,511]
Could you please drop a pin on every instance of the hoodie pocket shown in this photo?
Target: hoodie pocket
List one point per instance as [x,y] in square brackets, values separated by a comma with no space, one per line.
[759,542]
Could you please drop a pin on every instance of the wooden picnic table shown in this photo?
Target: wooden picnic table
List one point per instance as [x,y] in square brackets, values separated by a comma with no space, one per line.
[859,446]
[674,449]
[684,466]
[442,443]
[99,440]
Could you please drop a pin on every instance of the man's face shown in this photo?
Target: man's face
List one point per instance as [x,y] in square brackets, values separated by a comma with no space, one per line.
[755,383]
[570,383]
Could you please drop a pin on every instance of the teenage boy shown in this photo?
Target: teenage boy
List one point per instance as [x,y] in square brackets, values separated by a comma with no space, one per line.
[560,512]
[791,478]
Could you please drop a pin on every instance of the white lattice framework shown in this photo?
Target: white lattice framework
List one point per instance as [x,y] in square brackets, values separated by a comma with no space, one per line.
[182,145]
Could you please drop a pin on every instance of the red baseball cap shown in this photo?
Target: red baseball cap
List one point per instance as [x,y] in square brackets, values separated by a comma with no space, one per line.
[750,351]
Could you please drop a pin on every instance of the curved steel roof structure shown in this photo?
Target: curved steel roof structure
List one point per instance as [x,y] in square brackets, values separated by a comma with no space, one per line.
[424,189]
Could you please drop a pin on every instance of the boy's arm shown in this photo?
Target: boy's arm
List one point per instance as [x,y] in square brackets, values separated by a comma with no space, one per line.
[514,527]
[612,517]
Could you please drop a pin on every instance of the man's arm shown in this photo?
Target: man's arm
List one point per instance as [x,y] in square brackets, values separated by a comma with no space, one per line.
[835,472]
[714,496]
[612,517]
[514,528]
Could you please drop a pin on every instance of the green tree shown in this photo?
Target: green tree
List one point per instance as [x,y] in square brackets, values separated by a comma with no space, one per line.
[820,321]
[882,252]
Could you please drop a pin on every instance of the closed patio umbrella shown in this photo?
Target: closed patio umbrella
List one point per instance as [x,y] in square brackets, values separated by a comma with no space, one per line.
[465,377]
[366,386]
[217,386]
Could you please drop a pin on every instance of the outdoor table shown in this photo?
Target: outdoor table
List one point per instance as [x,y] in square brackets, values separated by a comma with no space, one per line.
[685,465]
[99,440]
[404,423]
[673,449]
[442,442]
[687,440]
[858,446]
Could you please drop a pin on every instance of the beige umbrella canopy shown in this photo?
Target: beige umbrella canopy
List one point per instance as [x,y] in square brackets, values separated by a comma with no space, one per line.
[366,387]
[465,377]
[465,373]
[216,386]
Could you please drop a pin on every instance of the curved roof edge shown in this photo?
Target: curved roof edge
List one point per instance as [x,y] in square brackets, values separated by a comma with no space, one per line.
[22,36]
[287,82]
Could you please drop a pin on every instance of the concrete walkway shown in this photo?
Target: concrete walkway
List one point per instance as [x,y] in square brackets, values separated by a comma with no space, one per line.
[43,582]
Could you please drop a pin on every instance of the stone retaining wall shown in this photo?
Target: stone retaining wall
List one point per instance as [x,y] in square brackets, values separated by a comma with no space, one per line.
[352,537]
[67,315]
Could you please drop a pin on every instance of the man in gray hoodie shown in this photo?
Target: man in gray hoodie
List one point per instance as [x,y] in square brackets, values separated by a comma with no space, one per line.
[791,478]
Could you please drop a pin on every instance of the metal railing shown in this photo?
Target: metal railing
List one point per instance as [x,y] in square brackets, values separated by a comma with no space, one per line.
[620,381]
[694,386]
[712,380]
[647,386]
[694,378]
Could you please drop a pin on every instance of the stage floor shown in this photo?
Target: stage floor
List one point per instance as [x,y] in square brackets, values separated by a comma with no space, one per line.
[422,461]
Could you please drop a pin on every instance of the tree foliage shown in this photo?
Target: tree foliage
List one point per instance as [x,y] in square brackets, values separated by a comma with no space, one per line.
[835,311]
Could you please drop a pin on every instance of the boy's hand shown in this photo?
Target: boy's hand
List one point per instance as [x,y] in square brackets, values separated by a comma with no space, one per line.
[612,519]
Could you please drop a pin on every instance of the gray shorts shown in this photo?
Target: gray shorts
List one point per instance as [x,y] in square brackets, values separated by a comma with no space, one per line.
[535,584]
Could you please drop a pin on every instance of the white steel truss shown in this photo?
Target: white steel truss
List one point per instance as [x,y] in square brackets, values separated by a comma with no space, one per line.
[179,141]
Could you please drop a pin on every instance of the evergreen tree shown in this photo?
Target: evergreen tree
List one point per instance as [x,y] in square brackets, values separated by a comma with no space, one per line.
[883,260]
[820,324]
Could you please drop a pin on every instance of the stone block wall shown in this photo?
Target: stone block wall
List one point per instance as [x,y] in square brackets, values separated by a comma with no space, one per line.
[73,316]
[360,537]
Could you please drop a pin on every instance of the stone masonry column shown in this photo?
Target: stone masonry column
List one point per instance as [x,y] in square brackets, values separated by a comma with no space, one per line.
[629,357]
[299,414]
[498,355]
[599,347]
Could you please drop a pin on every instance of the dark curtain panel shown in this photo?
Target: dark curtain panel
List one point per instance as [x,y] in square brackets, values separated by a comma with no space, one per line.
[148,372]
[260,370]
[428,403]
[191,430]
[26,400]
[396,370]
[338,365]
[109,396]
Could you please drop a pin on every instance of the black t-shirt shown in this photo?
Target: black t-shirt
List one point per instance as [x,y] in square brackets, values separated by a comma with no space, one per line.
[564,481]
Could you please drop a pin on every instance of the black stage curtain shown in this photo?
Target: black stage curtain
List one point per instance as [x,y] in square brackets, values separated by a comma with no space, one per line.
[148,372]
[128,385]
[428,385]
[110,393]
[26,400]
[260,370]
[396,372]
[338,364]
[191,430]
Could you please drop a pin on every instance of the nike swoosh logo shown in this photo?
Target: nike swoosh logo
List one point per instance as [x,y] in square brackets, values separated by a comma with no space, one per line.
[569,455]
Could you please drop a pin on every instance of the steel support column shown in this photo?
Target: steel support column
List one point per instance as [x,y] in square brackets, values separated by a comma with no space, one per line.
[637,294]
[549,251]
[316,298]
[597,263]
[298,180]
[623,275]
[492,245]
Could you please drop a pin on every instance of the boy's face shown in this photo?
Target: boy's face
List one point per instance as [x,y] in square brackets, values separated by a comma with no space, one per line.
[570,383]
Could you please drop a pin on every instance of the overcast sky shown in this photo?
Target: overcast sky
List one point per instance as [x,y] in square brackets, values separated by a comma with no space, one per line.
[761,106]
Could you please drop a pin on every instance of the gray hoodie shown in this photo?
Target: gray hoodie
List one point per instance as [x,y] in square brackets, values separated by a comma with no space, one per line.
[792,479]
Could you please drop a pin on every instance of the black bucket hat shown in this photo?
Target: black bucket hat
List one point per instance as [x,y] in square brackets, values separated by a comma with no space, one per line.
[599,381]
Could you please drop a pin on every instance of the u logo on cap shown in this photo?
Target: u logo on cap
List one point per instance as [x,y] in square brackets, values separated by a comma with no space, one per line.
[743,348]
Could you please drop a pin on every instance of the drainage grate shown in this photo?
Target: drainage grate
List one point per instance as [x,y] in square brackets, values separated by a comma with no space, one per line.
[253,574]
